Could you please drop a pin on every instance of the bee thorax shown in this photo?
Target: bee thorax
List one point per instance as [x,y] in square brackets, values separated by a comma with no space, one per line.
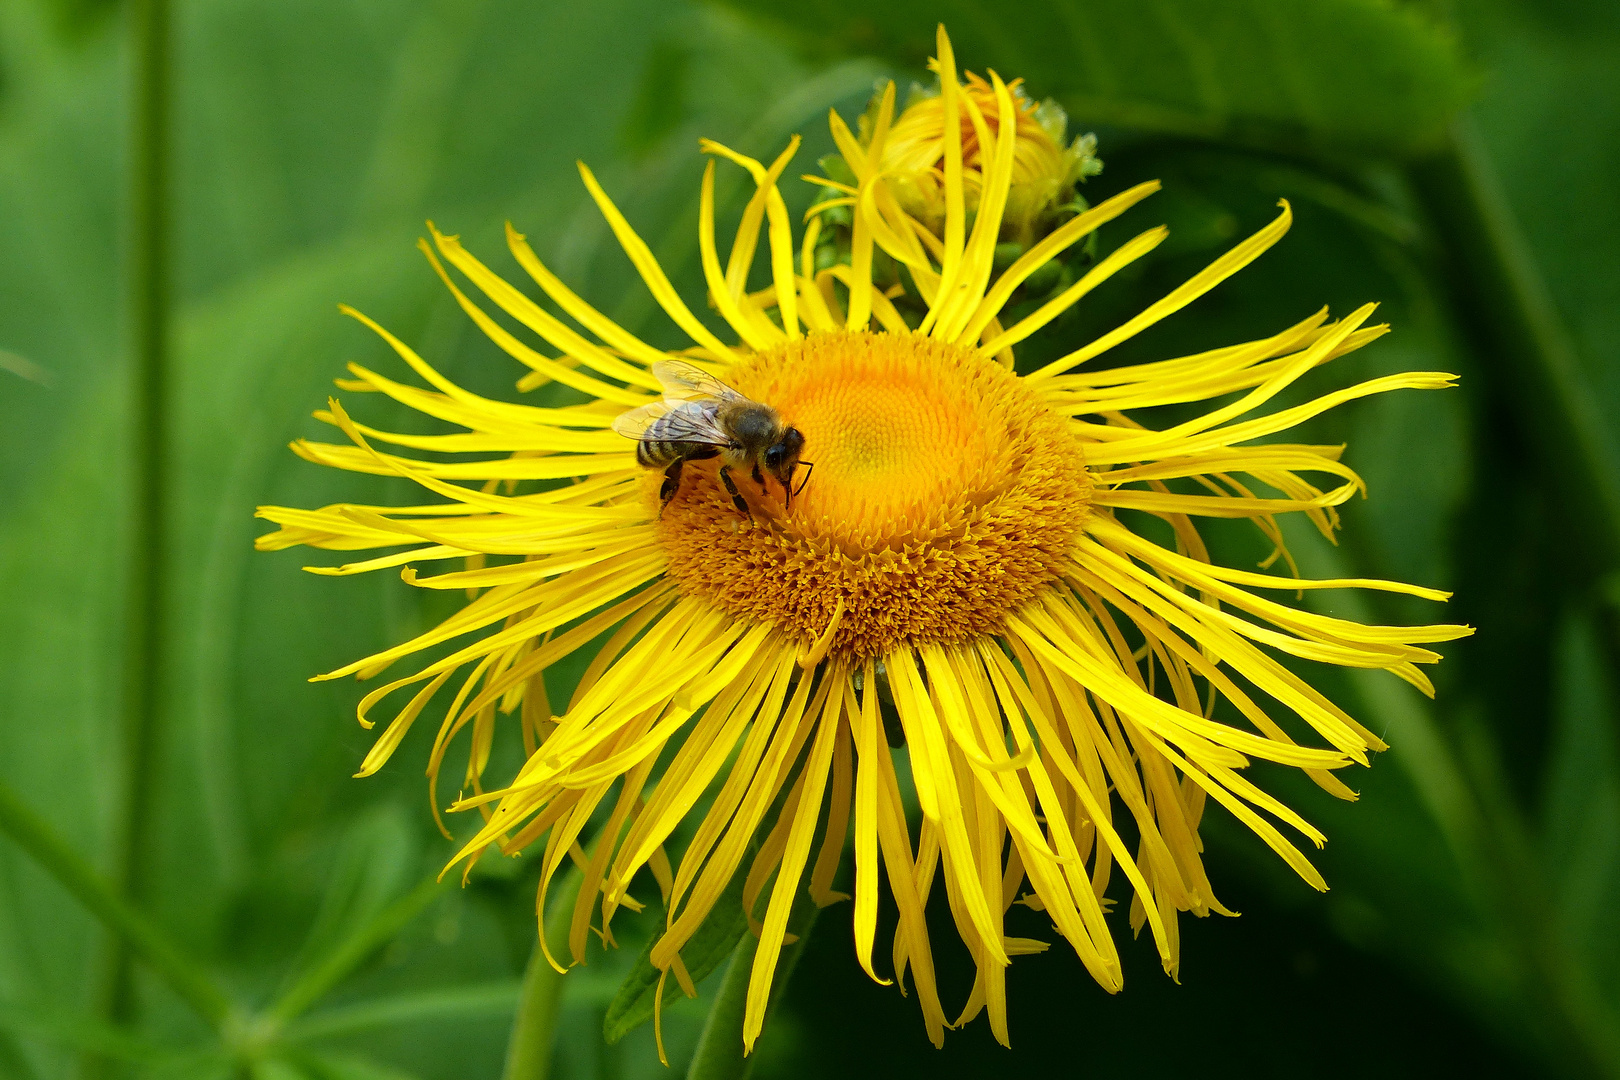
[752,425]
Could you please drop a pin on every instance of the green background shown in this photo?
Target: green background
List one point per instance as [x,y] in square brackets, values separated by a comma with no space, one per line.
[1471,924]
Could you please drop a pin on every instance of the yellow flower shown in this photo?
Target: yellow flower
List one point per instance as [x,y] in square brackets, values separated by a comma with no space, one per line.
[965,559]
[1044,169]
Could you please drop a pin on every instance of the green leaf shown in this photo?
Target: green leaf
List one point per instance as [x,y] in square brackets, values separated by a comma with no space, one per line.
[707,949]
[1358,78]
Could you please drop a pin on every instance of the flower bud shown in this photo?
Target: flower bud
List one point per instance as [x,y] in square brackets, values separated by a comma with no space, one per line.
[1045,168]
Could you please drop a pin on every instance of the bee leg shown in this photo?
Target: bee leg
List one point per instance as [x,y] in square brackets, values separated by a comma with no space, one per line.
[672,484]
[759,477]
[672,475]
[736,496]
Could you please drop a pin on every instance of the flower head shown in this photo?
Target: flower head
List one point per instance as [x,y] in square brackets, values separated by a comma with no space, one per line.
[965,560]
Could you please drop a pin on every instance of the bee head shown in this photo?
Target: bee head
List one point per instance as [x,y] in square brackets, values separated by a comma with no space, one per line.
[782,457]
[784,454]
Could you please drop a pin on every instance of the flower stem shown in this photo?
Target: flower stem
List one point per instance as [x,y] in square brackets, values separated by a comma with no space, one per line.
[146,299]
[719,1054]
[30,832]
[528,1054]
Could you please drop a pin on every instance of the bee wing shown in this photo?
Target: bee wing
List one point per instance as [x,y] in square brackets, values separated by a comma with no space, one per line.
[674,421]
[687,382]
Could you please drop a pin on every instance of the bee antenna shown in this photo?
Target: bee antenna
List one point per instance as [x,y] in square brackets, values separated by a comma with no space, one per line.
[809,467]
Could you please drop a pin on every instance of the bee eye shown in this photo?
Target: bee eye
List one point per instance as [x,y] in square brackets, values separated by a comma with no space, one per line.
[773,457]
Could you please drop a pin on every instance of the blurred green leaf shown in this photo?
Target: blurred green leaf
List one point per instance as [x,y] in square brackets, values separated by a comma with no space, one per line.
[14,1059]
[128,924]
[277,1069]
[82,1032]
[721,1052]
[486,999]
[1580,826]
[315,136]
[24,368]
[1548,981]
[345,955]
[1351,78]
[77,19]
[373,866]
[341,1067]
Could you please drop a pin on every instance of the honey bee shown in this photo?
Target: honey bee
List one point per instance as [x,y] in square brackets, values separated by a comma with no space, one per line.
[700,418]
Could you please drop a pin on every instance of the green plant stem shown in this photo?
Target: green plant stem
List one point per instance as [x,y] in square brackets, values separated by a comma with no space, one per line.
[1509,316]
[719,1054]
[147,294]
[29,832]
[534,1029]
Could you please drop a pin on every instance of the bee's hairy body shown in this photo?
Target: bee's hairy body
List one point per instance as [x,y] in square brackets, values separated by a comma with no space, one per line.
[700,418]
[752,428]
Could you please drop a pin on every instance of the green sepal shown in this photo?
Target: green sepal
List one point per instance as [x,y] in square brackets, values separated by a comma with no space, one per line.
[835,168]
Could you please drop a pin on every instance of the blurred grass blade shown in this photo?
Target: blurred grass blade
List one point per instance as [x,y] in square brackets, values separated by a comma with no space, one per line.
[184,976]
[1338,77]
[24,368]
[1507,312]
[147,310]
[348,1067]
[14,1060]
[376,861]
[460,1003]
[81,1032]
[275,1068]
[342,961]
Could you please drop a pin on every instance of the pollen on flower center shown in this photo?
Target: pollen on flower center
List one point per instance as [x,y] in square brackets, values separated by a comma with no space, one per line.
[944,494]
[892,438]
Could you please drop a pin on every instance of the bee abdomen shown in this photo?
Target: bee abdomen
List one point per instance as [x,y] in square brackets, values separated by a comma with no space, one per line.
[656,453]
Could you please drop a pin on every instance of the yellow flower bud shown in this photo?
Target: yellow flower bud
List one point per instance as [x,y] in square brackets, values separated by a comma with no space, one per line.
[1045,170]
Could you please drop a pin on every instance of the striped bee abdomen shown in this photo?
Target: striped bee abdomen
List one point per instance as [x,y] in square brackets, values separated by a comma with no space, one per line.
[656,453]
[660,444]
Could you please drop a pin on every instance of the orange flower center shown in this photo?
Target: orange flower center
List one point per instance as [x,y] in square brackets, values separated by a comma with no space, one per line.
[945,493]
